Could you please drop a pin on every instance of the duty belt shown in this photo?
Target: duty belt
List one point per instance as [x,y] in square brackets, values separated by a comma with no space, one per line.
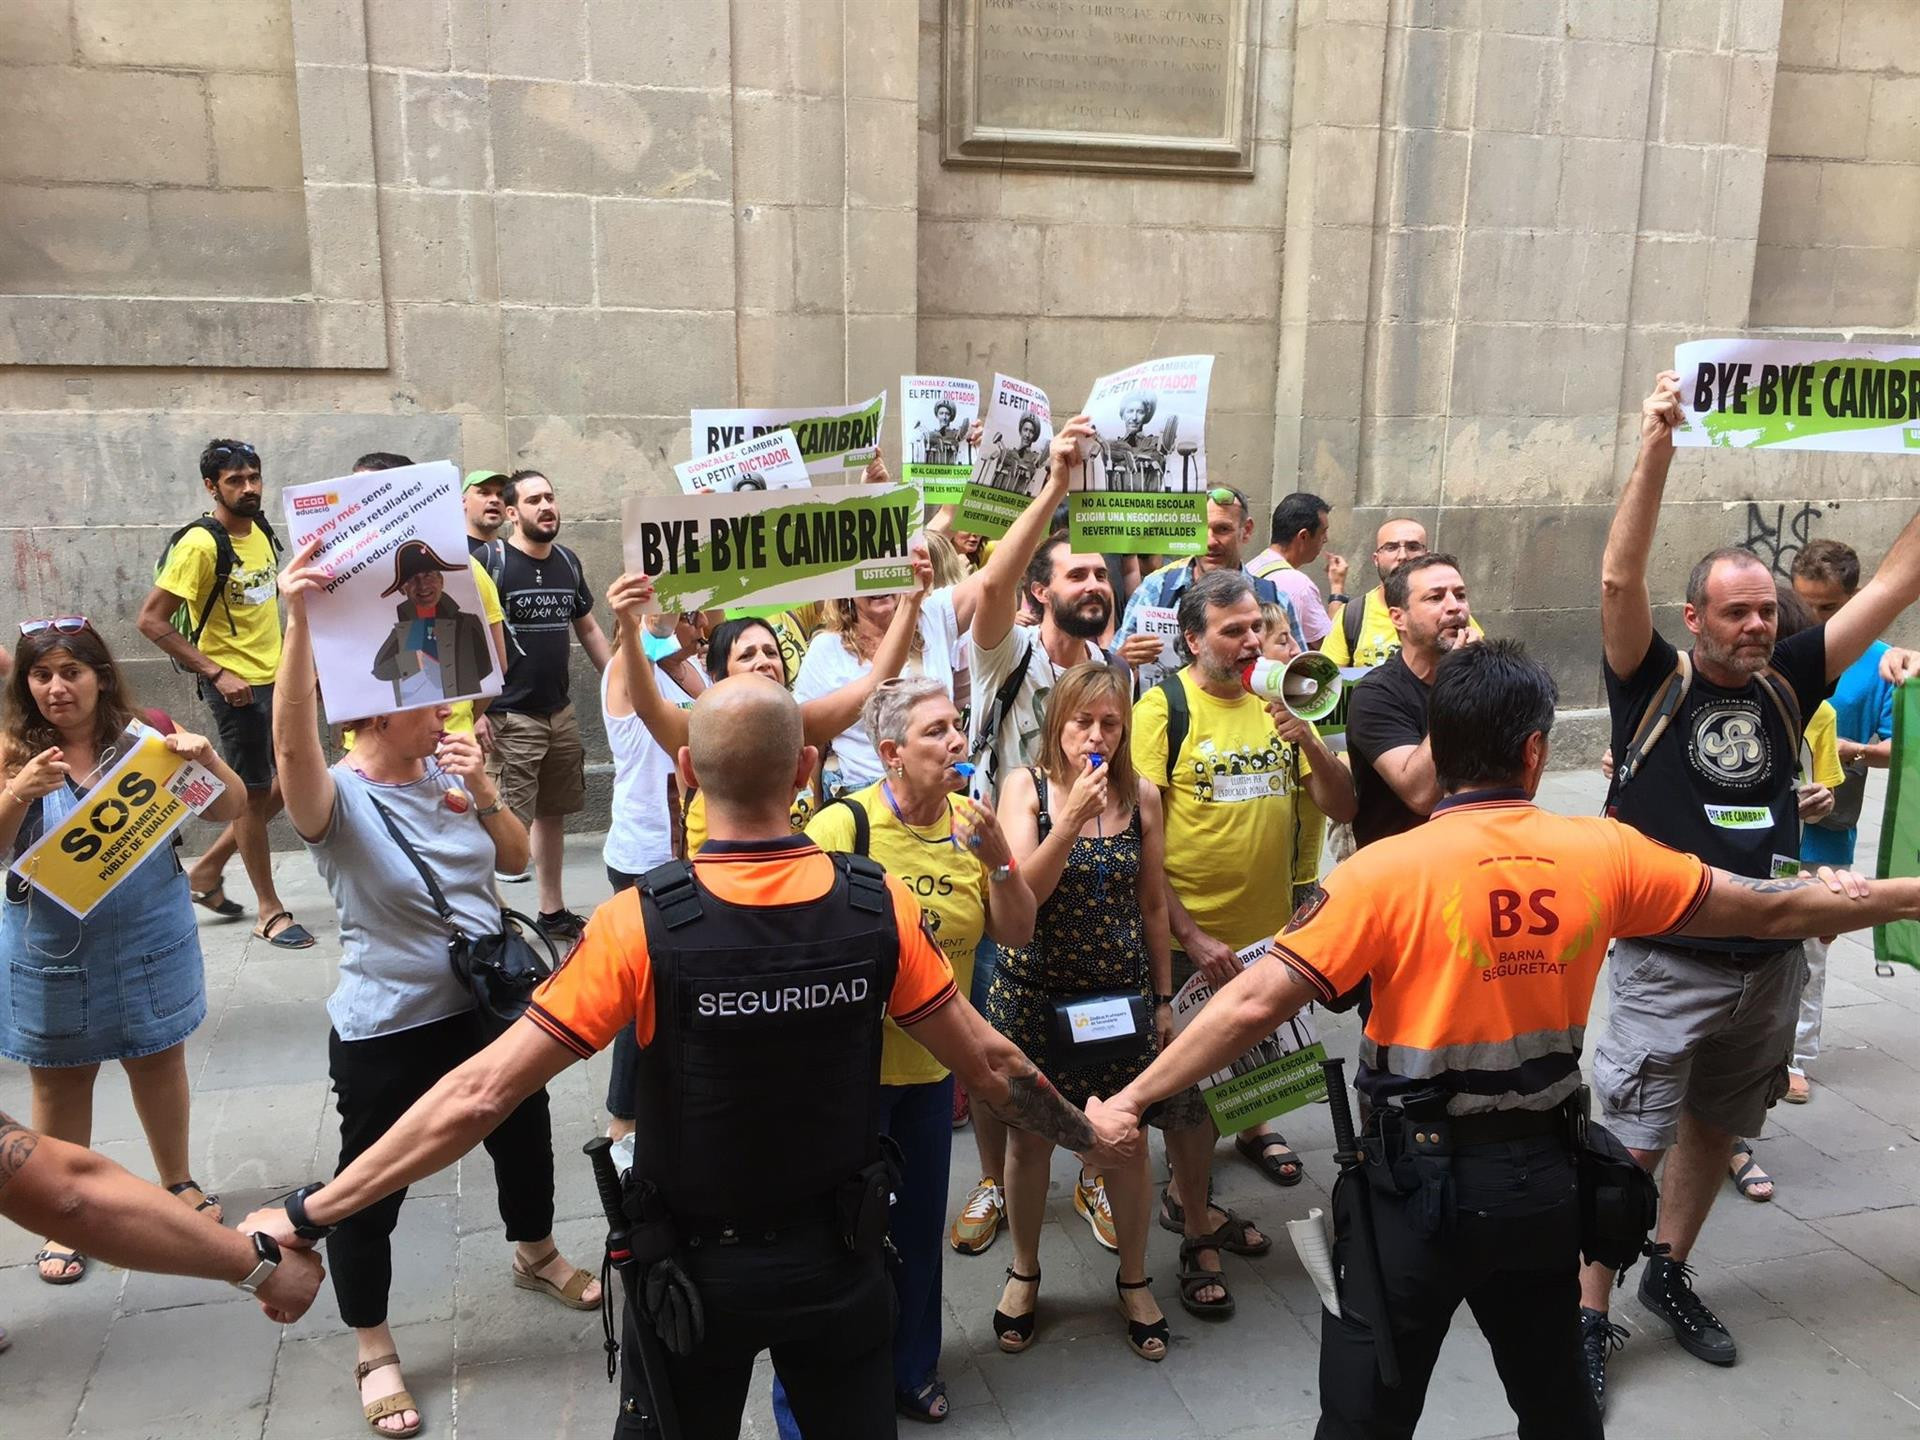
[1442,1134]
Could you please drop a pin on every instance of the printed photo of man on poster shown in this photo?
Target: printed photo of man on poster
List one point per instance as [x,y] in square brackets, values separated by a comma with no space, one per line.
[435,649]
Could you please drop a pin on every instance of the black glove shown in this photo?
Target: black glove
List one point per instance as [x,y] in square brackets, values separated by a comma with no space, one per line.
[672,1306]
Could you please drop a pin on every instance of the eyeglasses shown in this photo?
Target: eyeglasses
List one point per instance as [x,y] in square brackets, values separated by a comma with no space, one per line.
[234,457]
[64,624]
[1408,547]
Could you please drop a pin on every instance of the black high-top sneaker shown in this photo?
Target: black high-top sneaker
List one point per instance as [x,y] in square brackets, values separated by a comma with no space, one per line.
[1667,1290]
[1598,1336]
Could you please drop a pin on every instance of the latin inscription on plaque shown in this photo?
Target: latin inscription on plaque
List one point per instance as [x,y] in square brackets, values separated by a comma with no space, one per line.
[1102,84]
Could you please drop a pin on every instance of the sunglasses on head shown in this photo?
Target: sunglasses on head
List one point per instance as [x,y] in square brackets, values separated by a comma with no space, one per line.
[63,624]
[1226,495]
[234,457]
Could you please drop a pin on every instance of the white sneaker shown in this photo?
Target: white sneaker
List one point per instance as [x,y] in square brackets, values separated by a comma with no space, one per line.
[520,879]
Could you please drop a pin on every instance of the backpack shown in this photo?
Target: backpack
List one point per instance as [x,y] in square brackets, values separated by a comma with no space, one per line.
[224,560]
[1666,704]
[493,559]
[862,827]
[1179,718]
[1353,615]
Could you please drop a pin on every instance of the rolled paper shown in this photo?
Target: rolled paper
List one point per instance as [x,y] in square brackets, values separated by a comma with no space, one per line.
[1309,1237]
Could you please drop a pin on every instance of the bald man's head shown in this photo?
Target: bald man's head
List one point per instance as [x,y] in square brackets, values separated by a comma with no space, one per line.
[1395,542]
[745,738]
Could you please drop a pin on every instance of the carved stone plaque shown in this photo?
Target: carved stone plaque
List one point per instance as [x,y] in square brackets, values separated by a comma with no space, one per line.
[1154,85]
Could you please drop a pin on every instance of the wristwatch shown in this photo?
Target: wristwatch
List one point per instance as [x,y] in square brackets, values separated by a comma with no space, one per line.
[1159,1000]
[1337,599]
[296,1205]
[268,1250]
[1001,873]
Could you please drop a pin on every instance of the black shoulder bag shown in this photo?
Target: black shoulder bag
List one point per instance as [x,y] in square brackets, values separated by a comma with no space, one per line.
[501,970]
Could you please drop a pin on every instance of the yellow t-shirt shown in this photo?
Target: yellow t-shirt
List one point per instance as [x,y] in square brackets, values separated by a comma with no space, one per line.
[949,882]
[242,635]
[694,818]
[460,721]
[1230,810]
[1823,743]
[1379,641]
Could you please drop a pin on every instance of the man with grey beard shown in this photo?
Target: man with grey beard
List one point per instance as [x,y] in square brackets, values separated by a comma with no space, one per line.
[1387,718]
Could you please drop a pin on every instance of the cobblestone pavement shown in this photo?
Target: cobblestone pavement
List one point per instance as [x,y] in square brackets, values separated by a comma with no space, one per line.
[1819,1287]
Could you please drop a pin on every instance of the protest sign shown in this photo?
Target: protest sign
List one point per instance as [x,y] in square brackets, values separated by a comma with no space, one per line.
[766,462]
[1799,395]
[1164,621]
[1900,825]
[773,547]
[399,624]
[1013,458]
[836,441]
[1279,1074]
[1144,487]
[935,415]
[131,810]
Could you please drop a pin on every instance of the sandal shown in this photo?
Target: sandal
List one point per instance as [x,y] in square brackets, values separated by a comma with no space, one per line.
[568,1295]
[399,1402]
[1193,1279]
[1749,1177]
[1273,1157]
[58,1254]
[290,936]
[1174,1217]
[1015,1332]
[1141,1334]
[208,1200]
[928,1404]
[223,907]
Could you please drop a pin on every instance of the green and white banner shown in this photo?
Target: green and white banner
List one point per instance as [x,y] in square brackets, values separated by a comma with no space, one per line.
[936,411]
[1900,827]
[834,439]
[1144,486]
[1279,1074]
[772,547]
[1799,395]
[1013,458]
[767,462]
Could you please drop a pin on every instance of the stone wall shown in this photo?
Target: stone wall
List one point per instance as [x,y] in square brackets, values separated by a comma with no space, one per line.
[539,233]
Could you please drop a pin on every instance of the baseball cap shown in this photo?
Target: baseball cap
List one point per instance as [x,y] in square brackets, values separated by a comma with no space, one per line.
[479,477]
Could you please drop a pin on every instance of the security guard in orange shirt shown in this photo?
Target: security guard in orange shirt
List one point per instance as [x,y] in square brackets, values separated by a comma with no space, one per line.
[764,971]
[1483,934]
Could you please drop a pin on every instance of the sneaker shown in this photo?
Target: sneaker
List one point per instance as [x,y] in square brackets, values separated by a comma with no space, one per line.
[1091,1202]
[1667,1290]
[562,924]
[505,879]
[1598,1335]
[962,1107]
[979,1219]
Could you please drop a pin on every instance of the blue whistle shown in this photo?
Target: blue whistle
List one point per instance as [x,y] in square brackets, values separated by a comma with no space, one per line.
[963,768]
[1096,759]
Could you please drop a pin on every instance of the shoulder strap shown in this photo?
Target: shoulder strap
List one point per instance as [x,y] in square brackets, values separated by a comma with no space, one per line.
[1784,700]
[671,889]
[997,708]
[1179,717]
[433,889]
[1660,711]
[866,882]
[495,561]
[862,827]
[1352,616]
[1042,816]
[573,564]
[224,559]
[272,539]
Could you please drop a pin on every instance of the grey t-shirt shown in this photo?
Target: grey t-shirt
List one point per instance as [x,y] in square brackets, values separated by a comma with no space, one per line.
[394,973]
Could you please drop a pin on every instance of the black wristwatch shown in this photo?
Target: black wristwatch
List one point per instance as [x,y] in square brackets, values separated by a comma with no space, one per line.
[296,1205]
[266,1251]
[1338,599]
[1159,1000]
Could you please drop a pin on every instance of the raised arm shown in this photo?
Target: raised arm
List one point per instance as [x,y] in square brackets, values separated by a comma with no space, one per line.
[826,717]
[1409,771]
[1794,907]
[1329,783]
[305,781]
[633,677]
[1894,586]
[1626,606]
[992,593]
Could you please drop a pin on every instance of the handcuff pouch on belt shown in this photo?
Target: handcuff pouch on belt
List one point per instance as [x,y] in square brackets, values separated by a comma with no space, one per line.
[861,1201]
[664,1297]
[1410,1157]
[1619,1201]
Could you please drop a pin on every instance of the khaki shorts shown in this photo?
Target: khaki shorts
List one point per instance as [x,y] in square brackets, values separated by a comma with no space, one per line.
[538,763]
[1695,1032]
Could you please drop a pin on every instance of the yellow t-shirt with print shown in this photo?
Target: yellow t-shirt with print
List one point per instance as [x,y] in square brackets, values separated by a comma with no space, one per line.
[694,818]
[1231,820]
[949,882]
[1823,744]
[460,718]
[1378,642]
[242,634]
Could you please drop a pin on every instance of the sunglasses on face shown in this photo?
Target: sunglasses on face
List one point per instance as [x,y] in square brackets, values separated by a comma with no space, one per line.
[63,624]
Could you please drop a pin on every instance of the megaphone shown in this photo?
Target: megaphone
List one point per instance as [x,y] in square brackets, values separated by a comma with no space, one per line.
[1308,685]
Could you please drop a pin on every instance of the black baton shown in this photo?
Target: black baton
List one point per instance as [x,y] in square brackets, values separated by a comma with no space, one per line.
[653,1363]
[1352,1161]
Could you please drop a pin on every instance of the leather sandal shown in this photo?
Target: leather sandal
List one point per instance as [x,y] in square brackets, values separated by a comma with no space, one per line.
[290,936]
[529,1278]
[1194,1278]
[386,1406]
[1232,1232]
[1142,1333]
[208,1200]
[1015,1332]
[216,900]
[59,1254]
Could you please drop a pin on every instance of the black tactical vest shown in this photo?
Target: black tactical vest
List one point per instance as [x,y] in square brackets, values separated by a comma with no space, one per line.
[761,1089]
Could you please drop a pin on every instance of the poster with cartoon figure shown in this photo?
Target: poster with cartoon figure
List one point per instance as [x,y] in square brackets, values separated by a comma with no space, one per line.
[399,624]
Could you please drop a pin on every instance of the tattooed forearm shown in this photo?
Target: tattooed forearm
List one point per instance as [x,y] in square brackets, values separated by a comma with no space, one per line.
[16,1146]
[1033,1105]
[1775,886]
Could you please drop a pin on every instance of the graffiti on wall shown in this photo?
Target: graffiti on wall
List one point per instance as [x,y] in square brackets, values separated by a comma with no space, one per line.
[1776,533]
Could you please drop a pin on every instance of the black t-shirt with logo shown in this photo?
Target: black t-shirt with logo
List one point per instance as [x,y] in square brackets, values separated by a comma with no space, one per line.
[1720,782]
[540,600]
[1388,711]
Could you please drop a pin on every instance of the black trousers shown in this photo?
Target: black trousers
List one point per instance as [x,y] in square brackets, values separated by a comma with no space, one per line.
[824,1312]
[374,1083]
[1512,1253]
